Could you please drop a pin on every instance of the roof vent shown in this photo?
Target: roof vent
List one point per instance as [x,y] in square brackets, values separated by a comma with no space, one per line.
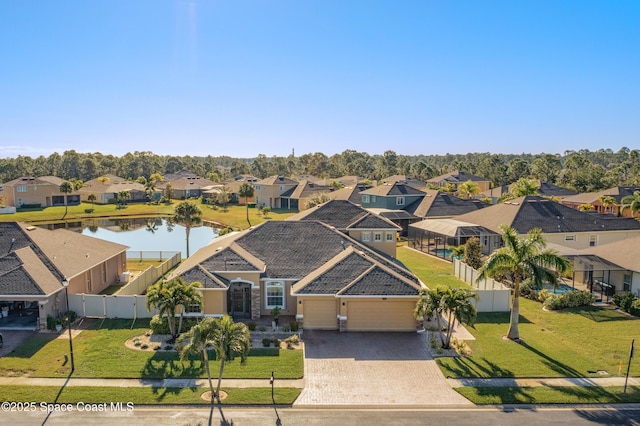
[30,228]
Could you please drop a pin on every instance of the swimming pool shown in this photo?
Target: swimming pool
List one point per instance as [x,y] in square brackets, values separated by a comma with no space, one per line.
[562,288]
[446,253]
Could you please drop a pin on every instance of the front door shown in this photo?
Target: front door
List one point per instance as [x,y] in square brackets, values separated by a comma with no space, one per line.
[240,300]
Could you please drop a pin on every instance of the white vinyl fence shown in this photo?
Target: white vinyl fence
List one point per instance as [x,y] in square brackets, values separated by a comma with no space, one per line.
[130,301]
[492,295]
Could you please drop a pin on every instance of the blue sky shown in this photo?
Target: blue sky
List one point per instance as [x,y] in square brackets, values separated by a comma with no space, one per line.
[241,78]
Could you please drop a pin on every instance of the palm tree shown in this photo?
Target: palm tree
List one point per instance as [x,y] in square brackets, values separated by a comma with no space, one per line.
[230,340]
[187,295]
[607,201]
[162,296]
[246,191]
[522,258]
[123,196]
[468,188]
[67,187]
[198,339]
[631,202]
[189,214]
[523,187]
[454,303]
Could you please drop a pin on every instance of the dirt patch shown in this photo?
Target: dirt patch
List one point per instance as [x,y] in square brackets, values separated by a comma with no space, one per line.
[151,342]
[207,396]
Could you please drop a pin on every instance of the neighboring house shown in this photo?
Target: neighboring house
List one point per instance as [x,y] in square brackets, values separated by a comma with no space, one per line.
[457,177]
[186,185]
[622,273]
[310,178]
[391,201]
[593,198]
[298,197]
[560,225]
[269,191]
[361,225]
[41,191]
[350,193]
[407,180]
[308,269]
[439,204]
[350,180]
[106,189]
[546,190]
[34,263]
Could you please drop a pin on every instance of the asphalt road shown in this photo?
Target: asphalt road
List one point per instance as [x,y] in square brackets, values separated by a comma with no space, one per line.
[522,416]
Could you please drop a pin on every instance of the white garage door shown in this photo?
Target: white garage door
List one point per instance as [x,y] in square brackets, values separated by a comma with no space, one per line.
[381,315]
[320,314]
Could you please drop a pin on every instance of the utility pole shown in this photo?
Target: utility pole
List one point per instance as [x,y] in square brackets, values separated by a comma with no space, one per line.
[628,366]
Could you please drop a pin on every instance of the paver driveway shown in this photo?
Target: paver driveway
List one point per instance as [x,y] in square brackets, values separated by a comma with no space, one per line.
[372,369]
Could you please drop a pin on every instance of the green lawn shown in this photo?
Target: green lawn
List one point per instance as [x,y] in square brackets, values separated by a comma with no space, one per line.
[143,395]
[99,351]
[579,342]
[234,216]
[551,395]
[431,270]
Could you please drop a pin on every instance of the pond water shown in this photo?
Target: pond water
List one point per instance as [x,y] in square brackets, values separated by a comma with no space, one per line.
[149,234]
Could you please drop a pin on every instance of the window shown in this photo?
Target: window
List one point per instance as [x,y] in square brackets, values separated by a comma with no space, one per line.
[377,237]
[275,294]
[593,240]
[366,237]
[281,188]
[194,308]
[399,201]
[365,198]
[390,236]
[22,188]
[257,187]
[104,272]
[626,282]
[89,286]
[569,237]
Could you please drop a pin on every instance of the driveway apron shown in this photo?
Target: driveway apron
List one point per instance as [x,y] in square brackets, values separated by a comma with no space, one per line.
[373,369]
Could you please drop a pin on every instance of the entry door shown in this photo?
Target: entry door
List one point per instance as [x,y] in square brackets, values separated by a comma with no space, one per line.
[240,301]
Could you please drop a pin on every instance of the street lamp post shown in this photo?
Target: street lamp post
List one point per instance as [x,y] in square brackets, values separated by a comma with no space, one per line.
[65,283]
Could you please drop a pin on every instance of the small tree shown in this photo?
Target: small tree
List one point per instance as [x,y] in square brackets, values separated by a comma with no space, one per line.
[189,214]
[586,207]
[607,202]
[631,203]
[230,340]
[318,199]
[68,187]
[524,186]
[91,198]
[198,339]
[246,191]
[455,304]
[169,296]
[473,253]
[468,189]
[168,193]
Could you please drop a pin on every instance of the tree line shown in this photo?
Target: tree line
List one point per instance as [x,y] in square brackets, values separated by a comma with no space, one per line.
[583,170]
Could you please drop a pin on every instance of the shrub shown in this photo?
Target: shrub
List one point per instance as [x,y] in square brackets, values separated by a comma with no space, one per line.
[286,328]
[276,342]
[262,328]
[144,347]
[159,325]
[624,300]
[543,295]
[252,325]
[264,352]
[634,309]
[294,325]
[292,340]
[266,342]
[51,322]
[570,299]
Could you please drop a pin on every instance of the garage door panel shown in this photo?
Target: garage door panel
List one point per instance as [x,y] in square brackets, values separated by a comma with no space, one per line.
[381,315]
[320,314]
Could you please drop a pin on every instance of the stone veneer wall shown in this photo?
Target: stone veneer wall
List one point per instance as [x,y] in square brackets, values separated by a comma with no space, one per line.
[256,303]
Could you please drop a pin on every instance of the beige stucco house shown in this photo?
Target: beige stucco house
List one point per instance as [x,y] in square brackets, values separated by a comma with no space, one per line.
[325,278]
[41,191]
[35,262]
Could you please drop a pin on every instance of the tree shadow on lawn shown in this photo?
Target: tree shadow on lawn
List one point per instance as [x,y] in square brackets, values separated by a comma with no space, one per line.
[498,318]
[162,392]
[468,367]
[165,365]
[32,345]
[598,314]
[563,369]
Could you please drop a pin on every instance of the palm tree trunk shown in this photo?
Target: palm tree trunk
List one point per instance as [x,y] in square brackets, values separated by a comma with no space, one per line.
[246,203]
[187,229]
[439,324]
[206,364]
[513,333]
[220,378]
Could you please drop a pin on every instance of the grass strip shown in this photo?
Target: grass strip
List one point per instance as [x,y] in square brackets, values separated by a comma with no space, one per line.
[143,395]
[550,395]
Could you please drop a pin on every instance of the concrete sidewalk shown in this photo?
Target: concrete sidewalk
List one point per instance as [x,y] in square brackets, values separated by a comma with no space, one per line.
[551,382]
[154,383]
